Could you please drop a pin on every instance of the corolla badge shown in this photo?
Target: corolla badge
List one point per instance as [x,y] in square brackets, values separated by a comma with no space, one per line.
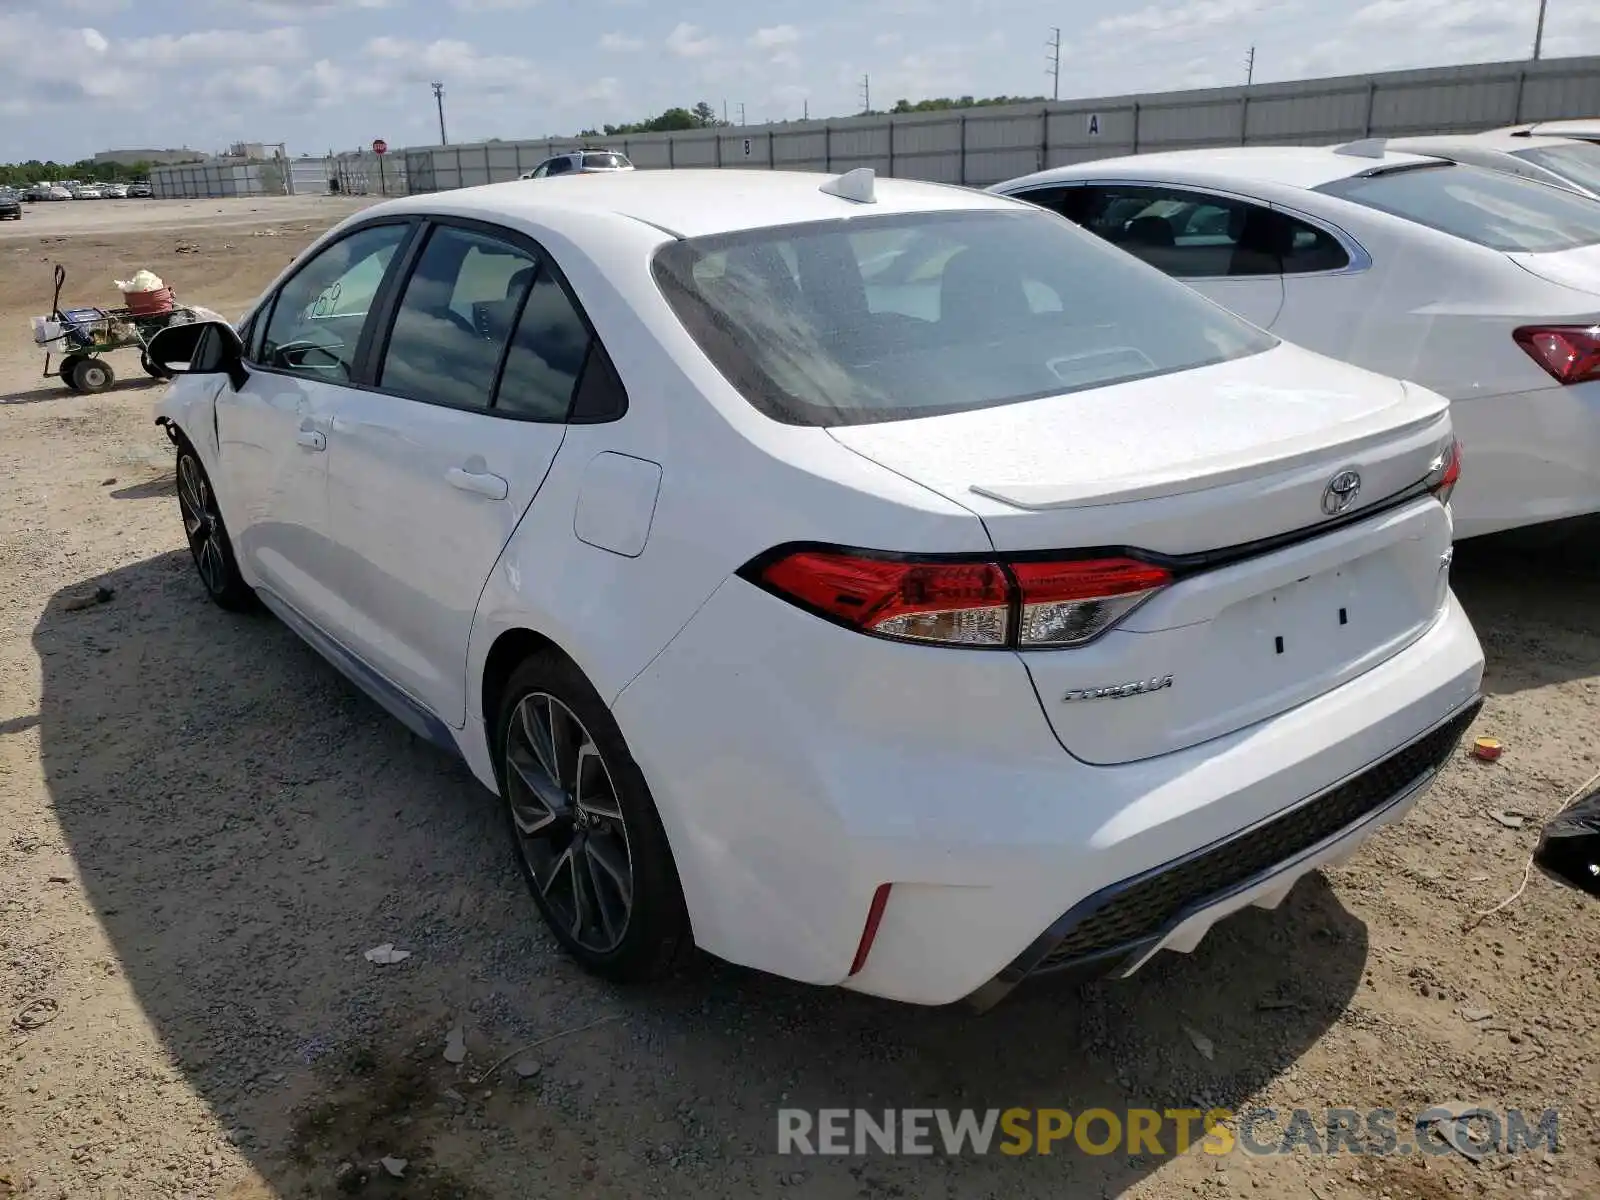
[1120,690]
[1340,493]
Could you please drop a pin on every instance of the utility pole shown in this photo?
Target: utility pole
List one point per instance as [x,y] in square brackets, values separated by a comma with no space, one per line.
[741,112]
[438,97]
[1054,46]
[805,110]
[866,93]
[1250,67]
[1538,34]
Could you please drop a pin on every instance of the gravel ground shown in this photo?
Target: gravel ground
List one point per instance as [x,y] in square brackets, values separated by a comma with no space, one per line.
[202,828]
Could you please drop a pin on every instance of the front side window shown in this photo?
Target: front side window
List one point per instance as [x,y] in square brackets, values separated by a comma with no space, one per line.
[319,315]
[1489,208]
[1575,161]
[455,315]
[887,318]
[558,166]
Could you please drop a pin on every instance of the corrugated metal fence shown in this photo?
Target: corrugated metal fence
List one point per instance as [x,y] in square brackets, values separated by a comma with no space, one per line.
[219,179]
[980,146]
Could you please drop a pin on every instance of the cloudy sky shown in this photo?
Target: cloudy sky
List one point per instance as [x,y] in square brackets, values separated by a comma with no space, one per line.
[77,76]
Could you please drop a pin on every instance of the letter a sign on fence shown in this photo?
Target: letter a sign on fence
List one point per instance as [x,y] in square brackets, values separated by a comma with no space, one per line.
[1094,124]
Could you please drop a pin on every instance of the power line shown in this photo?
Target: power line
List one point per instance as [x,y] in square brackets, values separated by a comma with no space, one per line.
[438,96]
[1054,46]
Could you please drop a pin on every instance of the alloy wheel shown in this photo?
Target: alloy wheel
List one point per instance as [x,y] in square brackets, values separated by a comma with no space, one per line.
[202,523]
[569,824]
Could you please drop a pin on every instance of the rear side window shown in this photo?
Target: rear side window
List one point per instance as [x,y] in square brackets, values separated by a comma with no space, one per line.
[1576,161]
[604,160]
[1489,208]
[1192,235]
[455,318]
[546,356]
[910,315]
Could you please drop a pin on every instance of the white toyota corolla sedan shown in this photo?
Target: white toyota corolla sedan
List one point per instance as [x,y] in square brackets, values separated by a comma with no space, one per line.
[876,583]
[1480,285]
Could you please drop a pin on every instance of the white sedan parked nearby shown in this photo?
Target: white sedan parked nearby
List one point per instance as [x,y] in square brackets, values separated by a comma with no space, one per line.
[1480,285]
[1564,162]
[872,582]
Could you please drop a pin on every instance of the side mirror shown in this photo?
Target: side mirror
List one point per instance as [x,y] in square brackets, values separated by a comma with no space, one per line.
[198,348]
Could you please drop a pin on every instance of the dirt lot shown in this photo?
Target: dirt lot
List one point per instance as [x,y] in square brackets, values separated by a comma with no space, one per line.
[202,828]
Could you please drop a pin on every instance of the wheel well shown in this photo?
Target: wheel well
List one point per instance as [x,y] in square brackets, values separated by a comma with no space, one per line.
[510,648]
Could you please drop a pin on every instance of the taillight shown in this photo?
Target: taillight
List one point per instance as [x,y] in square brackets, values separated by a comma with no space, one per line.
[1445,472]
[1068,603]
[1571,353]
[957,602]
[963,603]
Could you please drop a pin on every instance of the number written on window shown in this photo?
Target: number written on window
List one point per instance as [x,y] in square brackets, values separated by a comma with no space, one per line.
[319,315]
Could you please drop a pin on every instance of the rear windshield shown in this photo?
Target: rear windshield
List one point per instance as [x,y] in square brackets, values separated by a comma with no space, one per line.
[885,318]
[1577,161]
[1491,208]
[604,160]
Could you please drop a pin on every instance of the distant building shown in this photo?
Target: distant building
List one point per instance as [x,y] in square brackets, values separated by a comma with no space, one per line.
[254,151]
[127,158]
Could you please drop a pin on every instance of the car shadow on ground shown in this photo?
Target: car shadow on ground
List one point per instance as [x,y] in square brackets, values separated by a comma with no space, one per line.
[246,825]
[1534,598]
[56,390]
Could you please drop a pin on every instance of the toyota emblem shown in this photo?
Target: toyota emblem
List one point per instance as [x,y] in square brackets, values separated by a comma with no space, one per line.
[1340,493]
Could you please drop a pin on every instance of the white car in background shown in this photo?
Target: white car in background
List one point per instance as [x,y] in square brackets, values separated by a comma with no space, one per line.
[1563,162]
[1585,128]
[1480,285]
[877,583]
[589,160]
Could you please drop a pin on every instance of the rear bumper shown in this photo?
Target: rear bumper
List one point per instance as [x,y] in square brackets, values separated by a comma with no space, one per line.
[798,767]
[1528,457]
[1173,906]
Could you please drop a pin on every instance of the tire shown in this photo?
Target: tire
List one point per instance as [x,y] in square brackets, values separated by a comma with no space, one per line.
[67,367]
[92,375]
[641,938]
[207,536]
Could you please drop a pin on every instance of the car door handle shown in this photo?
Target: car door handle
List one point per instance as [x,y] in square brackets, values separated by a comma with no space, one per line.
[311,439]
[481,482]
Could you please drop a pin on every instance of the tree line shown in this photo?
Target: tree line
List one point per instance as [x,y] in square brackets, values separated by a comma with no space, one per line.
[700,116]
[34,171]
[703,116]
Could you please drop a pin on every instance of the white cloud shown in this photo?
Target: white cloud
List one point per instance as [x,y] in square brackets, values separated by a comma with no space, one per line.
[774,36]
[297,10]
[95,40]
[286,44]
[260,83]
[467,72]
[1171,22]
[690,41]
[620,43]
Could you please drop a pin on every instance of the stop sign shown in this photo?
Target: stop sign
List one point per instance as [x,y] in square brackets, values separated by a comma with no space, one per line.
[379,146]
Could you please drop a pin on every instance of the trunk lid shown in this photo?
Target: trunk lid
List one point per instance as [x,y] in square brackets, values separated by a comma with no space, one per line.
[1578,269]
[1183,467]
